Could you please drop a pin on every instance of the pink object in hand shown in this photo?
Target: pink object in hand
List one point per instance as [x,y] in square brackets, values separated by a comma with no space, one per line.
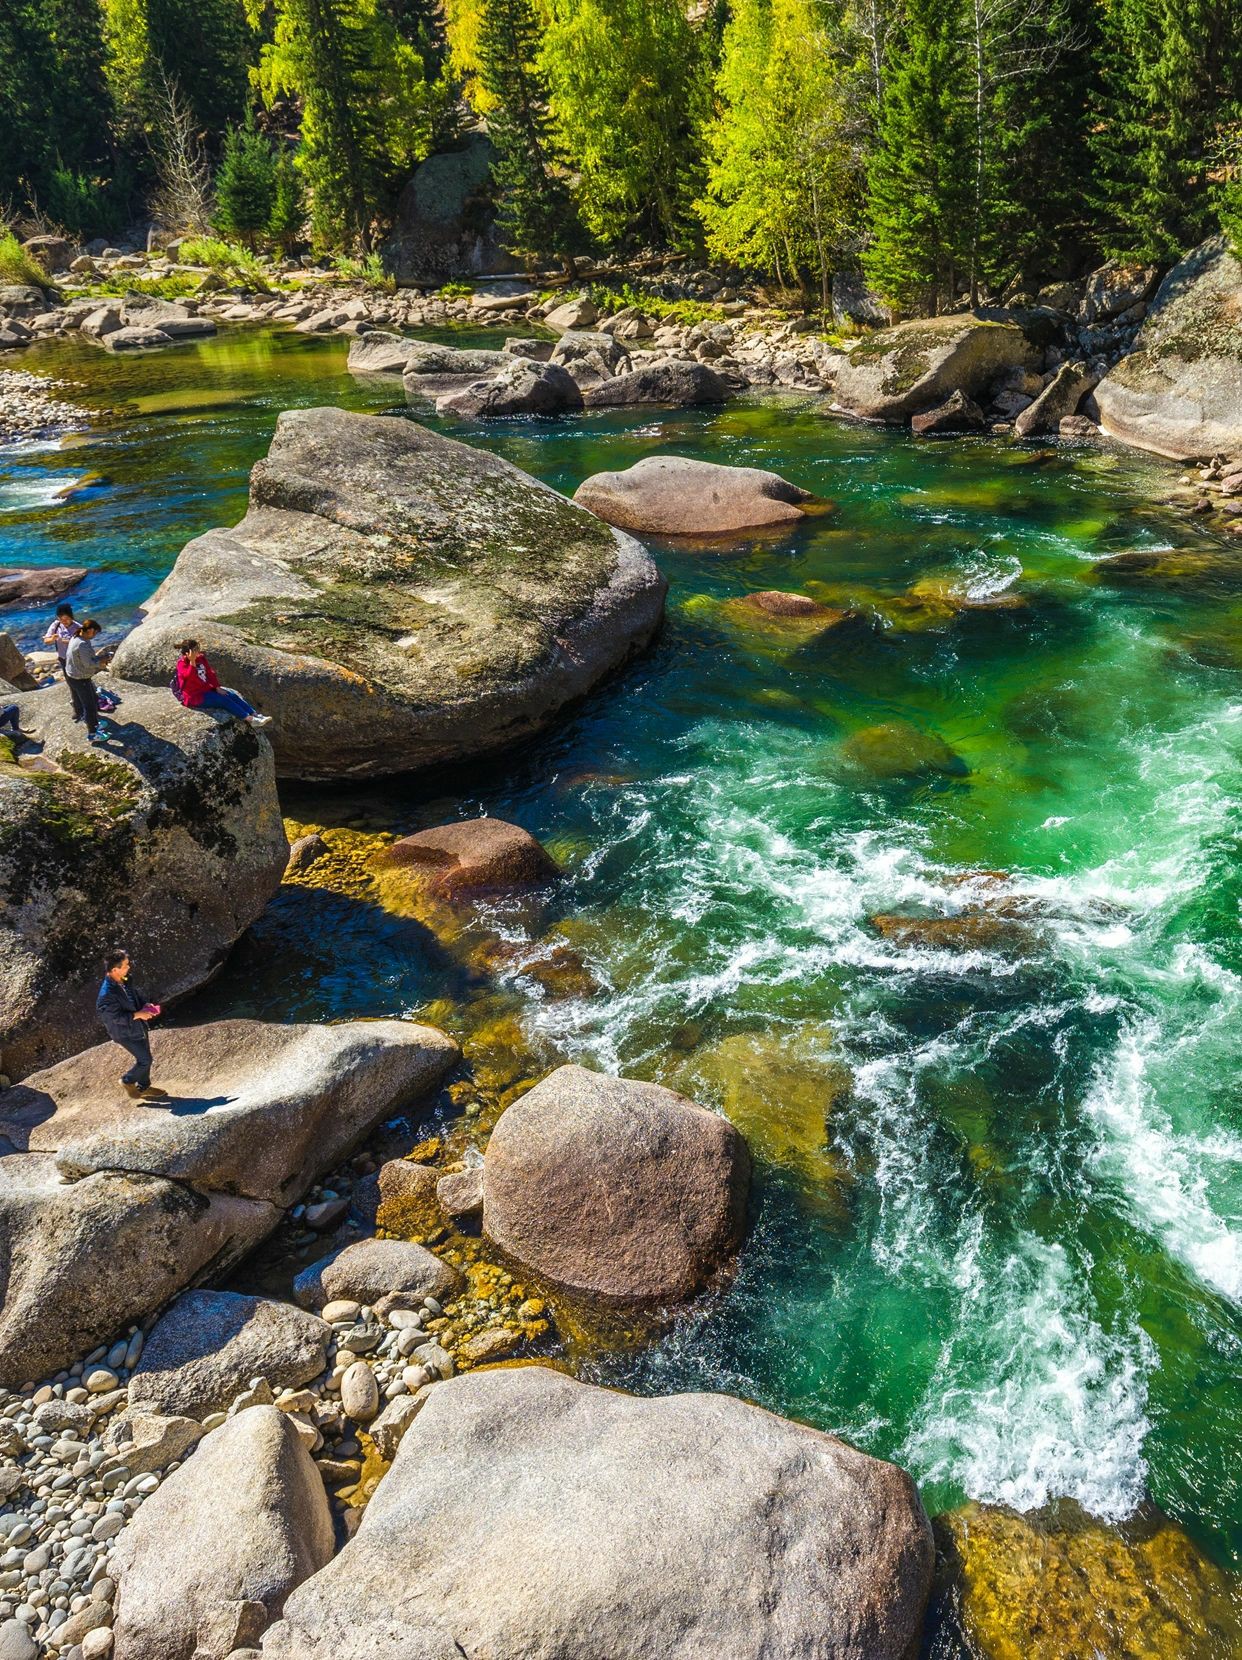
[150,1008]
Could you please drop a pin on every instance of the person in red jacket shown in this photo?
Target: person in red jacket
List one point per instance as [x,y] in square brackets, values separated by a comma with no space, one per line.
[198,687]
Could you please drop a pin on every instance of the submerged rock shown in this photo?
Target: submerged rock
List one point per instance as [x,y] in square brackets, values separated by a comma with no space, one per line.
[898,372]
[1179,392]
[214,1552]
[168,840]
[673,495]
[1059,1585]
[614,1187]
[210,1344]
[897,749]
[540,1516]
[396,599]
[1195,571]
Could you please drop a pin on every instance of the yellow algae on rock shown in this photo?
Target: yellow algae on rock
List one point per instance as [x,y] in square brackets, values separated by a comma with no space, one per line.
[1059,1585]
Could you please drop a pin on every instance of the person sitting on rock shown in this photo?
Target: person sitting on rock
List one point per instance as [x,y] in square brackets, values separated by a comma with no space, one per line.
[124,1013]
[82,664]
[9,727]
[61,630]
[198,686]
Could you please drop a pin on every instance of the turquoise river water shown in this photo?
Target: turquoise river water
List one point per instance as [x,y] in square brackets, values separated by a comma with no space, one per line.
[1015,1265]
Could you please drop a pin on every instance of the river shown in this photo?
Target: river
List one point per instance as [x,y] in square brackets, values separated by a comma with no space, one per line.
[1016,1265]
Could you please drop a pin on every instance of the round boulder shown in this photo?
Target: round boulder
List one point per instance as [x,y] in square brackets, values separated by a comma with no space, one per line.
[372,1268]
[527,1514]
[673,495]
[621,1189]
[478,855]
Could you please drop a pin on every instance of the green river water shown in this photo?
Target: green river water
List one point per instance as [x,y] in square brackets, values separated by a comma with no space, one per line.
[1016,1268]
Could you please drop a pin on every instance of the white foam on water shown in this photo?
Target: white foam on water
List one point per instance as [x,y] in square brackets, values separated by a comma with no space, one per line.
[1032,1399]
[25,494]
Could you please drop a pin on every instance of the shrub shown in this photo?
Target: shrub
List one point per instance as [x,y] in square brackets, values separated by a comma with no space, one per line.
[228,258]
[245,183]
[456,291]
[369,269]
[16,265]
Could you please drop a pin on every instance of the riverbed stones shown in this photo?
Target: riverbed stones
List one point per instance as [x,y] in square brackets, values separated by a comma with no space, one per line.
[473,856]
[210,1344]
[521,387]
[1056,1584]
[427,361]
[373,1268]
[360,1399]
[674,495]
[538,1515]
[614,1187]
[144,1441]
[589,356]
[395,599]
[255,1109]
[169,839]
[901,371]
[174,318]
[460,1194]
[1179,392]
[212,1555]
[672,382]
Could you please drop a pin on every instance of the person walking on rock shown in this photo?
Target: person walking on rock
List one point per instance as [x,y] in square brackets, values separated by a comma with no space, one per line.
[124,1014]
[82,664]
[198,686]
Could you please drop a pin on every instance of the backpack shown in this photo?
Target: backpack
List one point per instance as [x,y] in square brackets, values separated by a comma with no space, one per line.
[175,689]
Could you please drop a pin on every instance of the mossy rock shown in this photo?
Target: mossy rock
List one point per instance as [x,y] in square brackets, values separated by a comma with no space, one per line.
[898,372]
[1060,1585]
[897,750]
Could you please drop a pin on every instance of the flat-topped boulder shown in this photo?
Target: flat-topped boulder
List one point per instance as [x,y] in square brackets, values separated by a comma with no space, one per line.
[212,1555]
[670,381]
[674,495]
[205,1350]
[171,317]
[254,1109]
[395,599]
[521,387]
[528,1514]
[1179,392]
[38,586]
[622,1189]
[898,372]
[168,840]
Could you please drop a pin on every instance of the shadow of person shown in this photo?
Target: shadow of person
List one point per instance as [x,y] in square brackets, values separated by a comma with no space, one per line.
[186,1106]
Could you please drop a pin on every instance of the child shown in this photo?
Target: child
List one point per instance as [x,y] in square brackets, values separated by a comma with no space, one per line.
[198,687]
[60,631]
[82,664]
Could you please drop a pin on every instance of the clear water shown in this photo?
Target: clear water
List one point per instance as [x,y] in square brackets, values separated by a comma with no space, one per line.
[1017,1266]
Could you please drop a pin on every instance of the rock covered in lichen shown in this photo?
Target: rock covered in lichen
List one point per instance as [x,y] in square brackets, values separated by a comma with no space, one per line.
[898,372]
[168,841]
[1179,392]
[395,599]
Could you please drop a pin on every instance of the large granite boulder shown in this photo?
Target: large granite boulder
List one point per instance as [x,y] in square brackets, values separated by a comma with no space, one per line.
[212,1555]
[210,1344]
[257,1110]
[622,1189]
[79,1261]
[473,856]
[668,381]
[109,1206]
[590,356]
[520,388]
[1179,392]
[394,599]
[445,220]
[673,495]
[169,841]
[901,371]
[40,586]
[528,1514]
[1061,397]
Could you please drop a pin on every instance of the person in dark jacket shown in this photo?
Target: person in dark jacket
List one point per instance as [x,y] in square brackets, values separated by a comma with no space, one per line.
[124,1014]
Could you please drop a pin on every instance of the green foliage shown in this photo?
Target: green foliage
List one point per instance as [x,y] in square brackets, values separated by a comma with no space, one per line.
[16,265]
[685,312]
[368,269]
[783,191]
[455,291]
[536,215]
[1172,84]
[203,47]
[245,184]
[230,259]
[287,221]
[178,285]
[629,83]
[919,175]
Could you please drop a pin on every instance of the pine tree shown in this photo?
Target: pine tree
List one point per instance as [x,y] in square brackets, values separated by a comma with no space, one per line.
[1172,72]
[82,106]
[536,213]
[26,69]
[203,47]
[245,183]
[920,174]
[288,216]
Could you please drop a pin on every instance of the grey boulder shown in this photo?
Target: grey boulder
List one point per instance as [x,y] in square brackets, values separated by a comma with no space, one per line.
[1059,399]
[373,1268]
[673,495]
[256,1109]
[671,382]
[590,356]
[395,599]
[609,1186]
[901,371]
[169,839]
[521,387]
[1179,392]
[212,1555]
[175,320]
[204,1351]
[526,1514]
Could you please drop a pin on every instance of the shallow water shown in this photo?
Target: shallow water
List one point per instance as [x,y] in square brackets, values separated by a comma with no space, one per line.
[1016,1264]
